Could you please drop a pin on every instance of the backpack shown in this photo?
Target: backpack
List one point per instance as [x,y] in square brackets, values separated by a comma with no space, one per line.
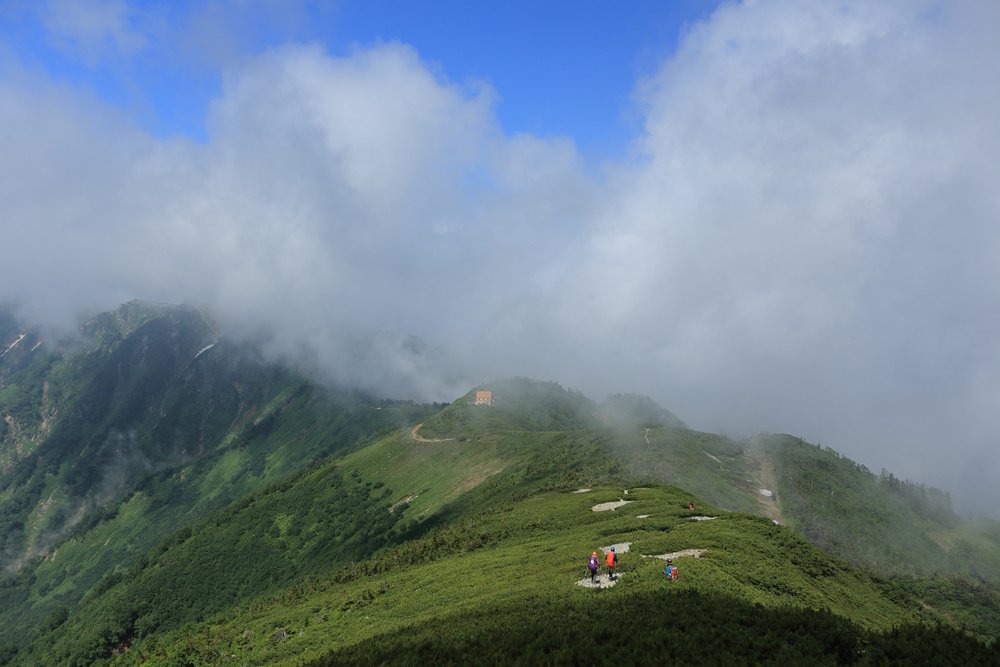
[593,564]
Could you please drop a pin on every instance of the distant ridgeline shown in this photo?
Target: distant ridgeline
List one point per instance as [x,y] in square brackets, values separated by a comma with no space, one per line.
[168,496]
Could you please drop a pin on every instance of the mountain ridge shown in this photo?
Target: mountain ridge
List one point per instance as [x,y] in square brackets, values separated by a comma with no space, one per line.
[133,451]
[208,436]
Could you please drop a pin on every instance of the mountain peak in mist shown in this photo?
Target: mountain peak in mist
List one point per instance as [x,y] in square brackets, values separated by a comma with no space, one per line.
[627,410]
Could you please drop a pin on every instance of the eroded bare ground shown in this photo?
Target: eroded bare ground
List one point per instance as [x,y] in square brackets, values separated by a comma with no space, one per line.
[600,581]
[604,507]
[404,501]
[695,553]
[619,547]
[764,478]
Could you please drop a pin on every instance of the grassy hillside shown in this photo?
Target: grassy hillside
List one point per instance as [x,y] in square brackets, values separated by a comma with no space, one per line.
[710,466]
[501,584]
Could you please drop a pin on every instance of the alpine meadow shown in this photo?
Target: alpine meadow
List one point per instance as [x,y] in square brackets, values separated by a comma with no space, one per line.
[448,333]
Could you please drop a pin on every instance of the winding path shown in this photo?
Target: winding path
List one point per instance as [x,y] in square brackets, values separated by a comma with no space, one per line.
[415,436]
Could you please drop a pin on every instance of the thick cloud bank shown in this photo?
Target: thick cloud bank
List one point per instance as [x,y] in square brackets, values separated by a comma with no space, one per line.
[805,237]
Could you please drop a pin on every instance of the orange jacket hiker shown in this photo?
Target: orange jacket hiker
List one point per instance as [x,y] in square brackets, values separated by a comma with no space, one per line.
[612,557]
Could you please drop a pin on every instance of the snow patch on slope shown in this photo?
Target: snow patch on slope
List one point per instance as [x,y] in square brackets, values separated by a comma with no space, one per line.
[205,349]
[12,345]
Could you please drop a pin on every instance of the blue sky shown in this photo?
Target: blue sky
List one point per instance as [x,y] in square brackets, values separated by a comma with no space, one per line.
[557,68]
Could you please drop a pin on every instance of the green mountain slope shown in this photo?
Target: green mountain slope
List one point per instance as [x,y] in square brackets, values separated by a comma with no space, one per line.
[378,551]
[145,425]
[889,525]
[312,523]
[470,451]
[167,497]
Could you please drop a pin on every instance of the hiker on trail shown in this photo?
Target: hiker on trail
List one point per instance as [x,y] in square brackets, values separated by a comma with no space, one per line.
[670,569]
[612,563]
[593,565]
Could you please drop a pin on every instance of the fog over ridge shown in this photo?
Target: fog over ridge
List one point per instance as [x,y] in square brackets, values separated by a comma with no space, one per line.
[803,238]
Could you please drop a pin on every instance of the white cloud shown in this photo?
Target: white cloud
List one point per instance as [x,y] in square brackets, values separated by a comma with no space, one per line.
[94,29]
[811,240]
[335,197]
[805,238]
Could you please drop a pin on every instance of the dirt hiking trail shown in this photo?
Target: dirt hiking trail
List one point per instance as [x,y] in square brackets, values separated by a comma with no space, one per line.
[416,436]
